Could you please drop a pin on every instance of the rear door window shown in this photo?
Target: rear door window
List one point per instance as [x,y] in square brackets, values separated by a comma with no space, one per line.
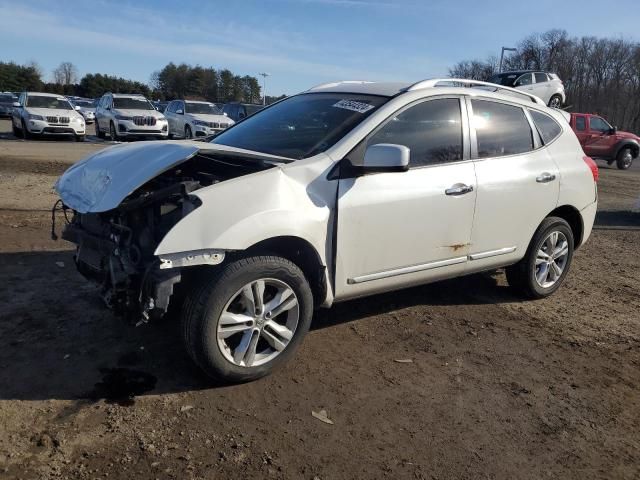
[581,124]
[541,77]
[547,127]
[501,129]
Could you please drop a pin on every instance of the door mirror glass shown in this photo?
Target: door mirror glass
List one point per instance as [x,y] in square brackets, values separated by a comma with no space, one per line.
[386,157]
[180,111]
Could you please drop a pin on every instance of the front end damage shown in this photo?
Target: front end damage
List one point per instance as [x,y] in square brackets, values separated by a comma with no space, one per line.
[115,247]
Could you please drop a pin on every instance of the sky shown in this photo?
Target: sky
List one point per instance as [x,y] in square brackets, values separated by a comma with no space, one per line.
[301,43]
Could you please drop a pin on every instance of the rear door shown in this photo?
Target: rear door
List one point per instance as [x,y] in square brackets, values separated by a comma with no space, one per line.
[518,182]
[580,129]
[403,228]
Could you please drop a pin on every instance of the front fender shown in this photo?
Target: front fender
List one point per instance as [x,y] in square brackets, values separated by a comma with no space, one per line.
[238,213]
[628,142]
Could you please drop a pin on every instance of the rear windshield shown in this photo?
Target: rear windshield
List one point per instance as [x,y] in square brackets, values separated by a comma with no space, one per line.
[301,126]
[132,104]
[48,102]
[84,103]
[7,99]
[202,108]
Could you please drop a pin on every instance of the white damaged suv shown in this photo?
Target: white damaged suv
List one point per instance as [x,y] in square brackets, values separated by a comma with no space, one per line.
[346,190]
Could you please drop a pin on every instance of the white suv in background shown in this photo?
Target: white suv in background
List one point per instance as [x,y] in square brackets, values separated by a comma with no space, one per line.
[547,86]
[346,190]
[44,114]
[189,119]
[121,116]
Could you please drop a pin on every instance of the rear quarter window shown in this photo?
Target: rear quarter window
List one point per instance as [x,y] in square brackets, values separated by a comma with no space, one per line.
[547,127]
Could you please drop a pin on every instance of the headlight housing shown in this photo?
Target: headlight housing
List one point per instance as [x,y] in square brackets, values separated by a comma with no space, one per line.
[35,117]
[201,123]
[122,117]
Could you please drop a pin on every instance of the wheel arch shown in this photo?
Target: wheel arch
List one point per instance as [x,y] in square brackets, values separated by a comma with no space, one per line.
[573,217]
[635,147]
[303,254]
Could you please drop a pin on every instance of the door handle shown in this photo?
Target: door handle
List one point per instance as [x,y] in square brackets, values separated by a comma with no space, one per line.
[458,189]
[545,177]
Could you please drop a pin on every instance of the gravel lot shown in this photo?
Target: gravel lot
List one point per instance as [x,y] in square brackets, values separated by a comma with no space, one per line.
[497,388]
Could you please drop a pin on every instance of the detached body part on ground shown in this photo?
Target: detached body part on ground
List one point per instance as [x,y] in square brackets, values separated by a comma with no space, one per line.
[344,191]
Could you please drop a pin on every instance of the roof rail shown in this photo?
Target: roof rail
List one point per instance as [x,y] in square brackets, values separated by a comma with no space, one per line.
[335,84]
[464,82]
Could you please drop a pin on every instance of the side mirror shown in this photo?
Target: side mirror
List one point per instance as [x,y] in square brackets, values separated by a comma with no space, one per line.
[16,104]
[613,130]
[386,157]
[180,112]
[77,107]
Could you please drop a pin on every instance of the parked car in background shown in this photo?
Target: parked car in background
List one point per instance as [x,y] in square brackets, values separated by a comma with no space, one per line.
[6,103]
[86,107]
[189,119]
[237,111]
[126,116]
[346,190]
[547,86]
[42,114]
[600,140]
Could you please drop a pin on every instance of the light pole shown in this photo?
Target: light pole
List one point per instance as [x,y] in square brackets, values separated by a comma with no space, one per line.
[504,49]
[264,75]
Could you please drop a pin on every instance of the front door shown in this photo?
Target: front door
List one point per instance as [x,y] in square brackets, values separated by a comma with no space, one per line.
[404,228]
[599,142]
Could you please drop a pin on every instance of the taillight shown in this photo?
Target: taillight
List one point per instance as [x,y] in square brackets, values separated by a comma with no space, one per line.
[592,166]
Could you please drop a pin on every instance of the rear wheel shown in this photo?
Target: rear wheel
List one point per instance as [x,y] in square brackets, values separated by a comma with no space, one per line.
[547,261]
[248,318]
[555,101]
[624,158]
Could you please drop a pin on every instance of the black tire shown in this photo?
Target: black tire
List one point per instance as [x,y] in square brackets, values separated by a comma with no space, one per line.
[522,275]
[205,303]
[188,135]
[99,133]
[624,159]
[16,131]
[555,101]
[25,132]
[80,138]
[113,134]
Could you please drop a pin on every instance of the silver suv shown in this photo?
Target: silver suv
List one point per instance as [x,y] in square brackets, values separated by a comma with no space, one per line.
[121,116]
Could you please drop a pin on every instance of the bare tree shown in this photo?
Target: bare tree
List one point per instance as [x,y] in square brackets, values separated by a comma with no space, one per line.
[65,74]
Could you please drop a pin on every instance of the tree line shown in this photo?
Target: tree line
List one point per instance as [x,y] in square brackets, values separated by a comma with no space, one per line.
[600,75]
[172,81]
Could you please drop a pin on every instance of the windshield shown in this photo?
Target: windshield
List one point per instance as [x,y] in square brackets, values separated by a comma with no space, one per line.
[301,126]
[203,108]
[251,109]
[84,103]
[128,103]
[505,79]
[7,99]
[41,101]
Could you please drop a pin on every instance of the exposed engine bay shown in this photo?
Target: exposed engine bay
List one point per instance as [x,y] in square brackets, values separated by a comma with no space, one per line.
[116,248]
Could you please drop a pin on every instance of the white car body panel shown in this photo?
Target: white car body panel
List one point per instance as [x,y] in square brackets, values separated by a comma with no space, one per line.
[392,229]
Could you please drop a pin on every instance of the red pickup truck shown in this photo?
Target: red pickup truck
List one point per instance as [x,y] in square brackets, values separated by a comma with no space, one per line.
[600,140]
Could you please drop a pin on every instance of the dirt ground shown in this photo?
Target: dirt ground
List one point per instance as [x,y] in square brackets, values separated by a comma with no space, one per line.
[497,388]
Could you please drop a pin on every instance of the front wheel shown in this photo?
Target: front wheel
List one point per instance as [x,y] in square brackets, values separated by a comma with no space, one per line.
[624,159]
[112,132]
[248,318]
[547,261]
[187,133]
[26,134]
[80,138]
[16,131]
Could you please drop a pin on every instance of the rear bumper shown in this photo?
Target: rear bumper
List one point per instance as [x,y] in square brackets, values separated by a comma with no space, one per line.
[588,218]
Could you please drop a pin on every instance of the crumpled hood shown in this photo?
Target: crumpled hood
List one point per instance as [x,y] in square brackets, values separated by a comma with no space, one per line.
[101,181]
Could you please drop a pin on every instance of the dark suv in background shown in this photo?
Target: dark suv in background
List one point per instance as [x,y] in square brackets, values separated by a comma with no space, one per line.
[236,111]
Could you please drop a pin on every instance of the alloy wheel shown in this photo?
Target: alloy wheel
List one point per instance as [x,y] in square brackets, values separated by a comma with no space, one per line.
[258,322]
[551,259]
[627,158]
[555,102]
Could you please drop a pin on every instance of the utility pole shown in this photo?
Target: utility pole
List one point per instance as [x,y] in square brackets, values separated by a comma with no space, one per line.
[505,49]
[264,75]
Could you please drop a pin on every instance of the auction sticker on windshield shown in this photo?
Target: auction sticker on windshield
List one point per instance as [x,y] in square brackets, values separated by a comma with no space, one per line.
[359,107]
